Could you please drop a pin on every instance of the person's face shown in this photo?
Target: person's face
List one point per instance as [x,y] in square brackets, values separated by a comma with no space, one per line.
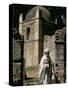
[47,54]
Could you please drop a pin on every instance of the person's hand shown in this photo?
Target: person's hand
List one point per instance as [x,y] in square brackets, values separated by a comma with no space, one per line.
[46,65]
[53,77]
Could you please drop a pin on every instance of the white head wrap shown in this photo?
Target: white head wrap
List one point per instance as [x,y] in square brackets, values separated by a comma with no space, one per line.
[46,50]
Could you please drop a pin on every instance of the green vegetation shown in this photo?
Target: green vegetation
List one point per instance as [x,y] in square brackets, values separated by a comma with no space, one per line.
[32,75]
[32,68]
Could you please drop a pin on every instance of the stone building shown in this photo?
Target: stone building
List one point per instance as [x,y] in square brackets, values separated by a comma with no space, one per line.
[40,32]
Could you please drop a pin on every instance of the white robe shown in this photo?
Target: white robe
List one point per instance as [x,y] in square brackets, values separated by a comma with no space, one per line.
[45,71]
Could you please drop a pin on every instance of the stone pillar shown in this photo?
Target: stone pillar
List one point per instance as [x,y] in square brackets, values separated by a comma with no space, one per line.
[21,24]
[37,13]
[55,20]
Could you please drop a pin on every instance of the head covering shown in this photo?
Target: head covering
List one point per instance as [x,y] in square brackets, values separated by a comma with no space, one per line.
[46,50]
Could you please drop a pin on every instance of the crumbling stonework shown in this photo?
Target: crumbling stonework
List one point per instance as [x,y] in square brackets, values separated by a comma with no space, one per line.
[41,34]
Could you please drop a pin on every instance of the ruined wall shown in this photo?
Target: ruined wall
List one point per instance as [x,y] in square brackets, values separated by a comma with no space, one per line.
[31,45]
[16,52]
[49,42]
[60,66]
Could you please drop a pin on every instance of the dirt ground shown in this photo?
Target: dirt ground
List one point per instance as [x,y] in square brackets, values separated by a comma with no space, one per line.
[32,74]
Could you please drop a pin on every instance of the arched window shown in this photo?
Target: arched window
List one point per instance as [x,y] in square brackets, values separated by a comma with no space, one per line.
[27,33]
[40,13]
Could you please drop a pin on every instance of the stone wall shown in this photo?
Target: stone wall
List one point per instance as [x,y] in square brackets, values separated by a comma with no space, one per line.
[49,42]
[16,63]
[60,60]
[31,45]
[16,50]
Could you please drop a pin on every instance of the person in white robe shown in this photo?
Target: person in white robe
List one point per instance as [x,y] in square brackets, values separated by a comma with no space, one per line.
[45,71]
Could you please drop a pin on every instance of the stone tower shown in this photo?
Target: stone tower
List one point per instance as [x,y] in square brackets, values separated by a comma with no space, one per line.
[39,33]
[31,28]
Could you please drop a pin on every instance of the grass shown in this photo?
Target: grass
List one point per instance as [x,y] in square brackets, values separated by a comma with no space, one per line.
[32,75]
